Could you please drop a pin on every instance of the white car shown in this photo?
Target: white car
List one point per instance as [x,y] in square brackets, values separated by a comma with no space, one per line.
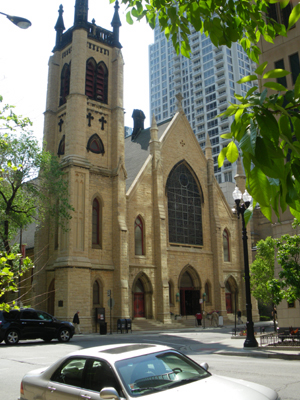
[129,371]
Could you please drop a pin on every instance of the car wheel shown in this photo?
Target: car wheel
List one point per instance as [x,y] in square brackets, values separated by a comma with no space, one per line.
[12,337]
[64,335]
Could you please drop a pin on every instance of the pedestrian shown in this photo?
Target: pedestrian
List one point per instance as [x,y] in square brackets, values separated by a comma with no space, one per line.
[239,315]
[214,318]
[199,318]
[76,322]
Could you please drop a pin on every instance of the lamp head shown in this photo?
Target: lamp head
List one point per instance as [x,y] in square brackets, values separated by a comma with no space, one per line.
[22,23]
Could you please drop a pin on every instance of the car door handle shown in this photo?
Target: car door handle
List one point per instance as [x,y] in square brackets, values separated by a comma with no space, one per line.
[52,388]
[85,396]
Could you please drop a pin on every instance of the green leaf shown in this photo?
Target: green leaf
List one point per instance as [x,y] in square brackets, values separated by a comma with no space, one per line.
[297,87]
[294,16]
[248,78]
[232,153]
[260,69]
[276,73]
[275,86]
[128,18]
[222,156]
[248,141]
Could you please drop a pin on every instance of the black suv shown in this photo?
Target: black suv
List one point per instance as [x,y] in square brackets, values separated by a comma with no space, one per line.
[33,324]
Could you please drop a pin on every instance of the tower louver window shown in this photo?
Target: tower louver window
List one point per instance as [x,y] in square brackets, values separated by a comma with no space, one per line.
[96,81]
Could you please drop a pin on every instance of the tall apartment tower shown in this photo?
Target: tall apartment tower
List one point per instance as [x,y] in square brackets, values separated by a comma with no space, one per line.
[207,82]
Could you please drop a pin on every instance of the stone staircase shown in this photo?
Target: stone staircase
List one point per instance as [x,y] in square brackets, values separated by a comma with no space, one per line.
[143,324]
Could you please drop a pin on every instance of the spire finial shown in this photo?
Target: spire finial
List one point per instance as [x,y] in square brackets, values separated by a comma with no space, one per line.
[179,102]
[59,27]
[116,23]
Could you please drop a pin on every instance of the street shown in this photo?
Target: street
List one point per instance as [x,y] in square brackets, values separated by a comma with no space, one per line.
[281,375]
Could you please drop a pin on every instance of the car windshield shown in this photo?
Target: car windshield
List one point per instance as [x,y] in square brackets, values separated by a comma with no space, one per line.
[157,372]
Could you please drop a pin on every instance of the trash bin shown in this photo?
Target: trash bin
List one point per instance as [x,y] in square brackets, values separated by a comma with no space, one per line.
[103,328]
[128,325]
[121,325]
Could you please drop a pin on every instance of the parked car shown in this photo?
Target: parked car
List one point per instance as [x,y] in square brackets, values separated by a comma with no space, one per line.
[28,323]
[129,371]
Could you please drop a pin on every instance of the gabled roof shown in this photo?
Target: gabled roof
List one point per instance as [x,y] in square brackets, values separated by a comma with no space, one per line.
[137,151]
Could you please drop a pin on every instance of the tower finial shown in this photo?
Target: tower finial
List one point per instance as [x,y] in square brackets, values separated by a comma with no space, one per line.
[59,27]
[116,23]
[81,12]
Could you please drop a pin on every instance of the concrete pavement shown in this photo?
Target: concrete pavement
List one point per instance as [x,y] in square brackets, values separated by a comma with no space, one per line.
[226,344]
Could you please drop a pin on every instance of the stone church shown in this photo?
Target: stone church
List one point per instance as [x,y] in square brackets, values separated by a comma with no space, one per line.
[151,228]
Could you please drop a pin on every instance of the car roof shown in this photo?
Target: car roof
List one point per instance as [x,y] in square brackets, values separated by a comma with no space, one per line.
[117,352]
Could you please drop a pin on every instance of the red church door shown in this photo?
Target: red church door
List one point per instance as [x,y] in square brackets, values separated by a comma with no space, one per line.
[228,303]
[138,305]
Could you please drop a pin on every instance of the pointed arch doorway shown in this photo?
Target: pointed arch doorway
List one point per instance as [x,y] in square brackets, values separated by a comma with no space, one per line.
[142,294]
[189,284]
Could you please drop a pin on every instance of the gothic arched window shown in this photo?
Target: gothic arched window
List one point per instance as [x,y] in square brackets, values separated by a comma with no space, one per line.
[96,83]
[139,236]
[184,206]
[226,247]
[65,83]
[61,147]
[96,223]
[96,293]
[95,144]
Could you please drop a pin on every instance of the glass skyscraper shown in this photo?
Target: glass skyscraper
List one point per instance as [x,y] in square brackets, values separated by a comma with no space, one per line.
[207,82]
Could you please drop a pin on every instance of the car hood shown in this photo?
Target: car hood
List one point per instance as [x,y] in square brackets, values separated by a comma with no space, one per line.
[217,387]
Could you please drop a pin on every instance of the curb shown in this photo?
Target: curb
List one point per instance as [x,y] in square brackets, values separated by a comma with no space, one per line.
[282,356]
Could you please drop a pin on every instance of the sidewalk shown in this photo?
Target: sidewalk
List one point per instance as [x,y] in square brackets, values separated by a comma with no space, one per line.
[227,344]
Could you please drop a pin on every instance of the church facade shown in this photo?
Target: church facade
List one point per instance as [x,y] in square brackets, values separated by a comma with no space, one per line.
[151,228]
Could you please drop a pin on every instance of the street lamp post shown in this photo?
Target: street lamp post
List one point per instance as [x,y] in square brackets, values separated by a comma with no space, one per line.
[241,207]
[22,23]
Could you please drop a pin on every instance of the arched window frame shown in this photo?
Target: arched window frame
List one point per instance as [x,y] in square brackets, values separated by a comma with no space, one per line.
[226,245]
[184,206]
[207,291]
[95,145]
[65,83]
[61,146]
[96,81]
[139,243]
[97,293]
[96,223]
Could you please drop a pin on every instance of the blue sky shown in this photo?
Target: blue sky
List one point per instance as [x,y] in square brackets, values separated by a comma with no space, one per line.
[24,55]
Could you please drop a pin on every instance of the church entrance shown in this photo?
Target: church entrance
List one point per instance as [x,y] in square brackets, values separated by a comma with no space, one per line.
[189,301]
[138,305]
[230,295]
[189,293]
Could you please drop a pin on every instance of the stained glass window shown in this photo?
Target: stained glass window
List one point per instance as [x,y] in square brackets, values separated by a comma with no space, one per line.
[184,207]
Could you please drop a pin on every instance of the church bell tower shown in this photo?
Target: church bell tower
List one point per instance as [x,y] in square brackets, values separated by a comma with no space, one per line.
[84,126]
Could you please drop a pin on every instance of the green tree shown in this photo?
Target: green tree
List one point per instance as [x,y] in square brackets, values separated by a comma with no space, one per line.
[32,182]
[32,187]
[266,128]
[288,256]
[11,270]
[264,285]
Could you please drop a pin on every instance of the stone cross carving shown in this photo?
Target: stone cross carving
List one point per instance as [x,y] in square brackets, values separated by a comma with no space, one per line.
[103,121]
[60,124]
[90,118]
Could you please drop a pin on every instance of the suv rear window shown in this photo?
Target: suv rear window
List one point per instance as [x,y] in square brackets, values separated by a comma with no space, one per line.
[11,315]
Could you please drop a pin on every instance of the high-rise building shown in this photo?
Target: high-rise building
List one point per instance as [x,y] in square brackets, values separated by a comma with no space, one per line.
[207,82]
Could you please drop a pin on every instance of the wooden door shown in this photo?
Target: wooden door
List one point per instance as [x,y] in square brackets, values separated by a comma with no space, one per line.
[228,303]
[138,305]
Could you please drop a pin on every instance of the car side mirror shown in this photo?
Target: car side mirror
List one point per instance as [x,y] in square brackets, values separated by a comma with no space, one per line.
[204,366]
[109,393]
